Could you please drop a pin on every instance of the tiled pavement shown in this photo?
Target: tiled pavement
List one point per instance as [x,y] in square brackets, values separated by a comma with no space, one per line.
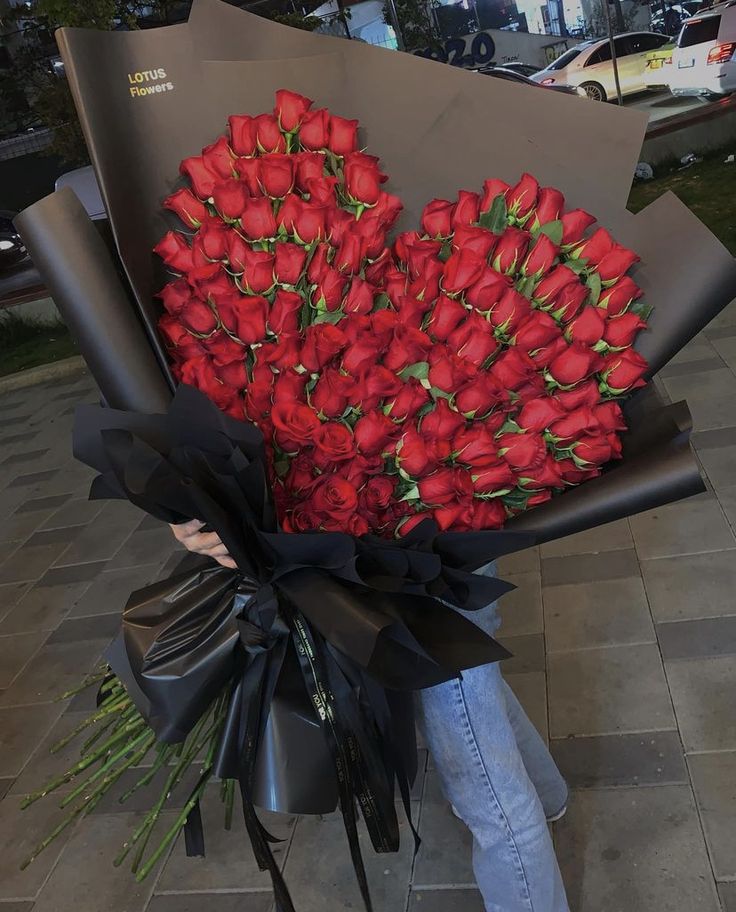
[625,654]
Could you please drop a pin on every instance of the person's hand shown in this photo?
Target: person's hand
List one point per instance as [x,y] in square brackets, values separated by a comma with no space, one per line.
[208,543]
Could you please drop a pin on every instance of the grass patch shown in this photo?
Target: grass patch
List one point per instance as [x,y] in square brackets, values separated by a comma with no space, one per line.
[708,188]
[27,342]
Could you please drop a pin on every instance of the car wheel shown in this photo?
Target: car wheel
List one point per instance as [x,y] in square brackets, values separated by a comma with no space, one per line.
[594,91]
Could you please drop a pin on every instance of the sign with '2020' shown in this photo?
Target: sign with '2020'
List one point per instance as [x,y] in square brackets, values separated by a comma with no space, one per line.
[468,51]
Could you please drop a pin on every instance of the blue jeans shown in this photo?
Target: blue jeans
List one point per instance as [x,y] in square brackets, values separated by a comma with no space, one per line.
[496,771]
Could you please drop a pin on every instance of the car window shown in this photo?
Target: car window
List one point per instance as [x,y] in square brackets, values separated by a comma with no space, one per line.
[566,59]
[698,31]
[646,42]
[624,46]
[600,56]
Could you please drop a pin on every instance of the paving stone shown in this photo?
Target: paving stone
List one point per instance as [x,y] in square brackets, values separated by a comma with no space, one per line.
[724,323]
[10,595]
[217,902]
[527,653]
[5,784]
[691,526]
[319,869]
[699,638]
[71,573]
[727,892]
[86,880]
[144,547]
[42,608]
[34,558]
[32,479]
[648,758]
[604,613]
[691,586]
[74,510]
[229,863]
[446,901]
[52,671]
[94,627]
[727,499]
[15,653]
[35,504]
[697,366]
[635,849]
[100,539]
[42,766]
[714,784]
[615,536]
[719,464]
[600,691]
[710,394]
[445,853]
[530,690]
[110,590]
[589,568]
[703,695]
[521,610]
[526,561]
[696,349]
[21,730]
[19,526]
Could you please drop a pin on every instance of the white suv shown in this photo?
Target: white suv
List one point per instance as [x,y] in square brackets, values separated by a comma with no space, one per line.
[589,65]
[704,61]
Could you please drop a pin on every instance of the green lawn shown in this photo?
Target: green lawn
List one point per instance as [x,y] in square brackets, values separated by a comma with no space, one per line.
[27,343]
[708,188]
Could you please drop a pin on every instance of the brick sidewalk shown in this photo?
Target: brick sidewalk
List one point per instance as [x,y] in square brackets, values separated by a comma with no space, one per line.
[625,655]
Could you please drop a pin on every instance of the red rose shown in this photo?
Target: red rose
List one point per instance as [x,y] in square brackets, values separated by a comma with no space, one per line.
[268,135]
[362,179]
[550,204]
[490,479]
[373,433]
[512,369]
[436,218]
[184,343]
[210,279]
[277,175]
[300,474]
[200,373]
[574,365]
[349,255]
[289,386]
[249,172]
[334,498]
[609,416]
[309,166]
[290,109]
[510,250]
[318,263]
[365,350]
[620,332]
[233,374]
[230,198]
[618,298]
[456,516]
[624,370]
[547,475]
[257,220]
[301,519]
[343,135]
[359,298]
[322,193]
[551,285]
[447,313]
[461,270]
[587,328]
[474,238]
[202,177]
[574,225]
[475,446]
[413,455]
[309,224]
[322,341]
[315,129]
[509,312]
[283,316]
[442,422]
[198,317]
[211,239]
[522,198]
[547,353]
[616,263]
[224,350]
[175,296]
[334,441]
[327,293]
[244,316]
[586,394]
[186,205]
[448,371]
[488,290]
[595,247]
[243,134]
[295,424]
[522,451]
[375,384]
[174,251]
[593,448]
[488,514]
[473,339]
[257,266]
[467,209]
[537,330]
[219,158]
[408,346]
[478,396]
[445,486]
[376,495]
[575,423]
[387,209]
[330,395]
[492,189]
[407,401]
[415,251]
[289,262]
[538,414]
[569,301]
[541,258]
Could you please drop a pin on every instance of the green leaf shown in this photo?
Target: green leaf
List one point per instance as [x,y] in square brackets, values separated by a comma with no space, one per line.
[411,494]
[526,287]
[554,231]
[497,217]
[419,370]
[329,316]
[642,309]
[425,409]
[445,251]
[281,467]
[510,427]
[439,394]
[577,266]
[594,283]
[382,302]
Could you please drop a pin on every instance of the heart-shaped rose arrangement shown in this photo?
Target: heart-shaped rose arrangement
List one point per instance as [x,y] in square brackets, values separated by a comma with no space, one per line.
[467,372]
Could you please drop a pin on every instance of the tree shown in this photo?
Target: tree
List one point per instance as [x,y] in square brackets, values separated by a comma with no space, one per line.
[415,21]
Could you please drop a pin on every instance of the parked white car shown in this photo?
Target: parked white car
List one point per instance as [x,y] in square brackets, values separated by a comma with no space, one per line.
[589,65]
[704,60]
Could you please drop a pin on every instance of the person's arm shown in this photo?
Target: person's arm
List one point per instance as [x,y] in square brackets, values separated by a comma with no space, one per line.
[208,543]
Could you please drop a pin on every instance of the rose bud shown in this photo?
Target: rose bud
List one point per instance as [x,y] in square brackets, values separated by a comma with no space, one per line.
[359,298]
[595,248]
[290,108]
[442,422]
[546,476]
[257,268]
[245,317]
[416,252]
[315,129]
[295,424]
[184,344]
[624,370]
[512,369]
[300,474]
[233,374]
[200,373]
[349,255]
[330,395]
[538,414]
[588,327]
[174,251]
[257,219]
[407,401]
[510,250]
[536,330]
[412,454]
[284,314]
[574,365]
[175,295]
[445,486]
[338,224]
[370,229]
[569,301]
[492,478]
[585,394]
[492,189]
[343,135]
[522,198]
[361,352]
[473,238]
[322,193]
[186,205]
[509,312]
[574,225]
[322,341]
[447,313]
[620,332]
[362,180]
[448,371]
[541,258]
[467,209]
[375,497]
[522,451]
[546,292]
[610,416]
[408,346]
[475,446]
[412,311]
[202,177]
[550,204]
[427,286]
[335,442]
[374,384]
[455,516]
[616,263]
[277,175]
[210,279]
[268,135]
[309,224]
[373,432]
[575,423]
[230,198]
[243,137]
[488,290]
[461,270]
[473,339]
[309,166]
[327,293]
[488,514]
[478,396]
[224,350]
[211,240]
[289,387]
[219,158]
[593,448]
[198,317]
[387,209]
[436,218]
[289,262]
[618,298]
[545,355]
[249,173]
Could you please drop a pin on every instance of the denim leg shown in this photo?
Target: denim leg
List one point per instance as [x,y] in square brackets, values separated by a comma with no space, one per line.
[470,736]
